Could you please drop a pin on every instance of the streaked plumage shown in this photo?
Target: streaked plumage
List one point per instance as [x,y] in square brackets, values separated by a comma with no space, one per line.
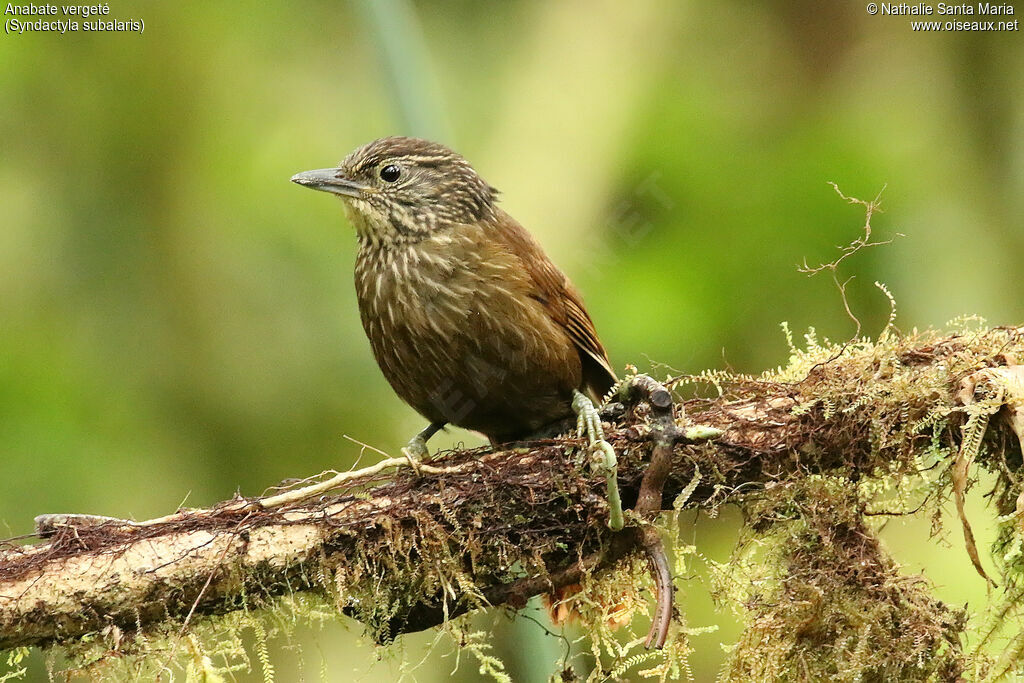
[469,320]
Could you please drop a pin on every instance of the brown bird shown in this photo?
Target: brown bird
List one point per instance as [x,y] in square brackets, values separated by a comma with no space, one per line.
[470,321]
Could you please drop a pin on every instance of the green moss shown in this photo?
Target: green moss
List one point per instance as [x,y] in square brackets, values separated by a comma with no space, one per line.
[825,602]
[861,428]
[820,597]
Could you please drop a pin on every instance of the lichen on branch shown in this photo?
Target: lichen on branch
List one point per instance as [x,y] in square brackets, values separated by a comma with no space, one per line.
[812,454]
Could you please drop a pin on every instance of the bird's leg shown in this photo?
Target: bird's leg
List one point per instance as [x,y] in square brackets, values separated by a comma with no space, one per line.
[416,450]
[588,421]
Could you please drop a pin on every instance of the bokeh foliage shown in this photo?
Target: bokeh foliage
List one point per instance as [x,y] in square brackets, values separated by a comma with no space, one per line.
[177,320]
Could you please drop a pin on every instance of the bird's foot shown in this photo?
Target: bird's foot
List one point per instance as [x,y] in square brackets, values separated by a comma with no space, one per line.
[588,421]
[416,452]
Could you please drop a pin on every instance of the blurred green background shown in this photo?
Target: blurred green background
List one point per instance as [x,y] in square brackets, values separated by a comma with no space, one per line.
[178,322]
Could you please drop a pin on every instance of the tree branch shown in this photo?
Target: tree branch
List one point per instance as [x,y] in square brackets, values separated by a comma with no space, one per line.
[402,552]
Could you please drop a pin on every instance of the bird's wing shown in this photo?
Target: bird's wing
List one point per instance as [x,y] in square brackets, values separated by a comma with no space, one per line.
[562,302]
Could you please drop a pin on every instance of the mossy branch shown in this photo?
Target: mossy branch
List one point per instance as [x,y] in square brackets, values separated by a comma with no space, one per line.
[403,552]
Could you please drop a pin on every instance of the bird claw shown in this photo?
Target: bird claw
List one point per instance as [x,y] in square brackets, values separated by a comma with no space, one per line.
[588,421]
[416,452]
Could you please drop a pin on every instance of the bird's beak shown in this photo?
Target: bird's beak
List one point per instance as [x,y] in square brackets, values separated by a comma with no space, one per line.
[329,180]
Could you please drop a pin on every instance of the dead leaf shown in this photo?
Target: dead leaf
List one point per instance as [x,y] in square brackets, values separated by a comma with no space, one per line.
[960,469]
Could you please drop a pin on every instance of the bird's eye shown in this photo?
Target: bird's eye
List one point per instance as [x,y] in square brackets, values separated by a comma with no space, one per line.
[390,173]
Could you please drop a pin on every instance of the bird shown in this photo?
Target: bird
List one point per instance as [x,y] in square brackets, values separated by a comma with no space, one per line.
[469,320]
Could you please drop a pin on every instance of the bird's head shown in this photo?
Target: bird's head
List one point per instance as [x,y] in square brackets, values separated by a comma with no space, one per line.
[400,189]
